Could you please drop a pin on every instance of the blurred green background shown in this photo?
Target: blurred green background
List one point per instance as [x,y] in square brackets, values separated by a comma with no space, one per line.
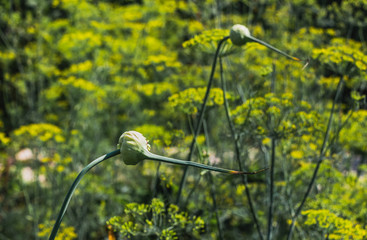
[76,74]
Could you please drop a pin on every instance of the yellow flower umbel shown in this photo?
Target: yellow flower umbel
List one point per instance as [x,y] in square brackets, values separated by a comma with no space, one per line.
[133,147]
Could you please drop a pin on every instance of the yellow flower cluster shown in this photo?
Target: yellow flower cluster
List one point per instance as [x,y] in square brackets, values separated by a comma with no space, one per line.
[55,162]
[207,42]
[164,60]
[6,56]
[78,83]
[80,67]
[342,51]
[40,131]
[171,6]
[3,139]
[273,115]
[190,99]
[354,135]
[77,44]
[206,37]
[158,135]
[329,82]
[65,232]
[157,89]
[142,220]
[337,227]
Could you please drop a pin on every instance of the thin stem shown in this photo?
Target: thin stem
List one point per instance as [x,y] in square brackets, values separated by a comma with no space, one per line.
[191,127]
[273,48]
[271,194]
[237,150]
[272,167]
[213,195]
[212,186]
[196,184]
[333,139]
[201,117]
[320,158]
[73,187]
[156,180]
[155,157]
[273,77]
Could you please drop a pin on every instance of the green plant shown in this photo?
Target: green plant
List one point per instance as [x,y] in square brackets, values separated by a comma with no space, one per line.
[335,227]
[156,221]
[134,148]
[74,73]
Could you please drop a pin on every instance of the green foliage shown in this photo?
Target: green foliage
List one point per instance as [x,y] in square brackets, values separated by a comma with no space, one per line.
[189,100]
[74,74]
[335,227]
[342,56]
[155,221]
[277,117]
[354,135]
[207,42]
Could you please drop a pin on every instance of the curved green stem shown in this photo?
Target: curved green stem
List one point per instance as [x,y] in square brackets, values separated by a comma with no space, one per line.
[155,157]
[73,187]
[201,117]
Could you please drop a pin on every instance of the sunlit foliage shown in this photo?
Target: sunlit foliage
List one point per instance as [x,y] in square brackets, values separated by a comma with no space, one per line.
[75,74]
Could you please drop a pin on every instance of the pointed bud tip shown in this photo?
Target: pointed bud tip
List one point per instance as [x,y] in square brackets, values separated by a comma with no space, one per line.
[248,173]
[236,172]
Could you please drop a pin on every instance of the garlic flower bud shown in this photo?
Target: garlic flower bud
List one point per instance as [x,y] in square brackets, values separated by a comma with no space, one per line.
[239,35]
[133,147]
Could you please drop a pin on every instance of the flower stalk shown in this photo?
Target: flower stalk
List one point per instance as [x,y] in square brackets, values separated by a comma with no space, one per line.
[73,187]
[236,139]
[155,157]
[134,148]
[201,117]
[240,35]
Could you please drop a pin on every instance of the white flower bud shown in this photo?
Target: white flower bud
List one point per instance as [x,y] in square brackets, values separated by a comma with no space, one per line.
[239,35]
[133,147]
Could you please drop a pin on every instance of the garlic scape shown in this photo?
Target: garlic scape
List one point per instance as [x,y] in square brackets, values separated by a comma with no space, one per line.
[154,157]
[240,35]
[73,187]
[135,148]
